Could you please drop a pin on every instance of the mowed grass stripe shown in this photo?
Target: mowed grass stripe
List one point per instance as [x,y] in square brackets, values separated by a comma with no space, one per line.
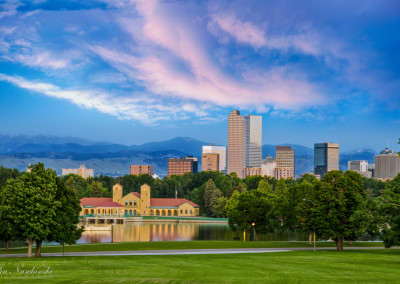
[359,266]
[185,245]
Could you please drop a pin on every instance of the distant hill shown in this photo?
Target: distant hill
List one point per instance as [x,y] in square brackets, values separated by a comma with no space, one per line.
[184,144]
[114,164]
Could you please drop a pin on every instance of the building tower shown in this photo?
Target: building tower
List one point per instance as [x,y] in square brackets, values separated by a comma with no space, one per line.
[387,164]
[326,157]
[221,151]
[145,199]
[117,193]
[236,144]
[285,162]
[253,137]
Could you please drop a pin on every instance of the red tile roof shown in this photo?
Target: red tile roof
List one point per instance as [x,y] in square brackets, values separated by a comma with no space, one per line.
[99,202]
[170,202]
[154,202]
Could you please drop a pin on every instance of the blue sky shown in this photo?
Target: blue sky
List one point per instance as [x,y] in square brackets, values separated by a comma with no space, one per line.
[136,71]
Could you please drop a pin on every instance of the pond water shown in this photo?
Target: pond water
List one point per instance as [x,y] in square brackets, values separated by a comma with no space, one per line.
[161,231]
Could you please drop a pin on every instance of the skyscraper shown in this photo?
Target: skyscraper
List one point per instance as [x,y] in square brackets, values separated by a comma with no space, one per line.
[221,151]
[387,164]
[284,162]
[236,144]
[326,157]
[244,142]
[253,136]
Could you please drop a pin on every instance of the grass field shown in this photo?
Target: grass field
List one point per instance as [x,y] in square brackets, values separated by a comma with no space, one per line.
[184,245]
[356,266]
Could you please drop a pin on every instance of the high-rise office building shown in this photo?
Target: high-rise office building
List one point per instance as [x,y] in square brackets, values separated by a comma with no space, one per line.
[253,136]
[141,169]
[285,165]
[387,164]
[181,166]
[326,157]
[244,142]
[210,162]
[221,151]
[236,144]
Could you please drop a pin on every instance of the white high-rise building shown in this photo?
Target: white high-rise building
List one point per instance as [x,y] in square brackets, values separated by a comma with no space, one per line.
[358,166]
[221,151]
[253,138]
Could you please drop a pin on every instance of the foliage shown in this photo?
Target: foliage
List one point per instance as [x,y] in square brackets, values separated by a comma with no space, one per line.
[219,207]
[390,211]
[337,198]
[248,208]
[211,195]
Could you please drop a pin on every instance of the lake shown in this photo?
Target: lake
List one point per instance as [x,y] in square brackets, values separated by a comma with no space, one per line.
[162,231]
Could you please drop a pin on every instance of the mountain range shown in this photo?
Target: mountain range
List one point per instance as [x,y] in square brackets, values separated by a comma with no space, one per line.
[18,151]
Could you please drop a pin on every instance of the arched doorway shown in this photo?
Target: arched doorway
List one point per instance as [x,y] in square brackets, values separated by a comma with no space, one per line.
[169,213]
[158,212]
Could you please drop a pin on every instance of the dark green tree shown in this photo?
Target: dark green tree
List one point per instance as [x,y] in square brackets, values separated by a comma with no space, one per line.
[337,198]
[31,198]
[390,211]
[250,208]
[211,195]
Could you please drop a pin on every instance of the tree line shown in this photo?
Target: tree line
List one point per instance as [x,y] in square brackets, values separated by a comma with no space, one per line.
[342,206]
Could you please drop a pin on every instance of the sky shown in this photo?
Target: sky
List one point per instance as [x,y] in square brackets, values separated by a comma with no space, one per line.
[131,72]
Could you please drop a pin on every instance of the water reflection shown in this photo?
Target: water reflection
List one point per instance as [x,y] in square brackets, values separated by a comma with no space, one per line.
[154,231]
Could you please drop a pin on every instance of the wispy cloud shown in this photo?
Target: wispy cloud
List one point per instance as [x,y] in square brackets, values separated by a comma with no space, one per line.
[144,109]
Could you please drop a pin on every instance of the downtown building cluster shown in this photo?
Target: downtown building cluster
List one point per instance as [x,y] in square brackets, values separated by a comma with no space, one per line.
[243,156]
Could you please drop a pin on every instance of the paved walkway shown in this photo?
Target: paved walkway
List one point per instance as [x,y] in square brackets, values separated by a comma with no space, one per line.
[186,251]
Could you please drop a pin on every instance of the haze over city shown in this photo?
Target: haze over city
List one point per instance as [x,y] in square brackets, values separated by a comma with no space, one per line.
[130,72]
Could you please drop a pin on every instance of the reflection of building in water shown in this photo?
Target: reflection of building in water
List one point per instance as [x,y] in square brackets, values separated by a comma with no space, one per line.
[135,203]
[144,232]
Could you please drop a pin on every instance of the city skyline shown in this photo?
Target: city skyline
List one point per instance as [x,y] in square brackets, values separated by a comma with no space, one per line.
[153,70]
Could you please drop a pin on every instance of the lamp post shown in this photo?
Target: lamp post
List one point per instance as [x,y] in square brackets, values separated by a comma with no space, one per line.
[254,231]
[314,223]
[112,232]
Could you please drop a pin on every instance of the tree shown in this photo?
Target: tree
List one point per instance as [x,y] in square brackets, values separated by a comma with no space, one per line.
[8,229]
[337,198]
[96,189]
[240,187]
[390,211]
[65,226]
[6,174]
[30,199]
[248,208]
[264,186]
[211,195]
[219,207]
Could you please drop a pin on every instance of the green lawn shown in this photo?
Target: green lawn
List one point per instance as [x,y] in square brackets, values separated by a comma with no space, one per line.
[185,245]
[358,266]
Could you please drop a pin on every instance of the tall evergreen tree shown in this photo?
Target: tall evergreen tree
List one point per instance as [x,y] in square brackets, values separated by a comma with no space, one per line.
[211,195]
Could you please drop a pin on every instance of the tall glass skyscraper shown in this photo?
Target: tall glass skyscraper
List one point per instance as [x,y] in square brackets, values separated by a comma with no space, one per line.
[244,142]
[326,157]
[236,144]
[253,136]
